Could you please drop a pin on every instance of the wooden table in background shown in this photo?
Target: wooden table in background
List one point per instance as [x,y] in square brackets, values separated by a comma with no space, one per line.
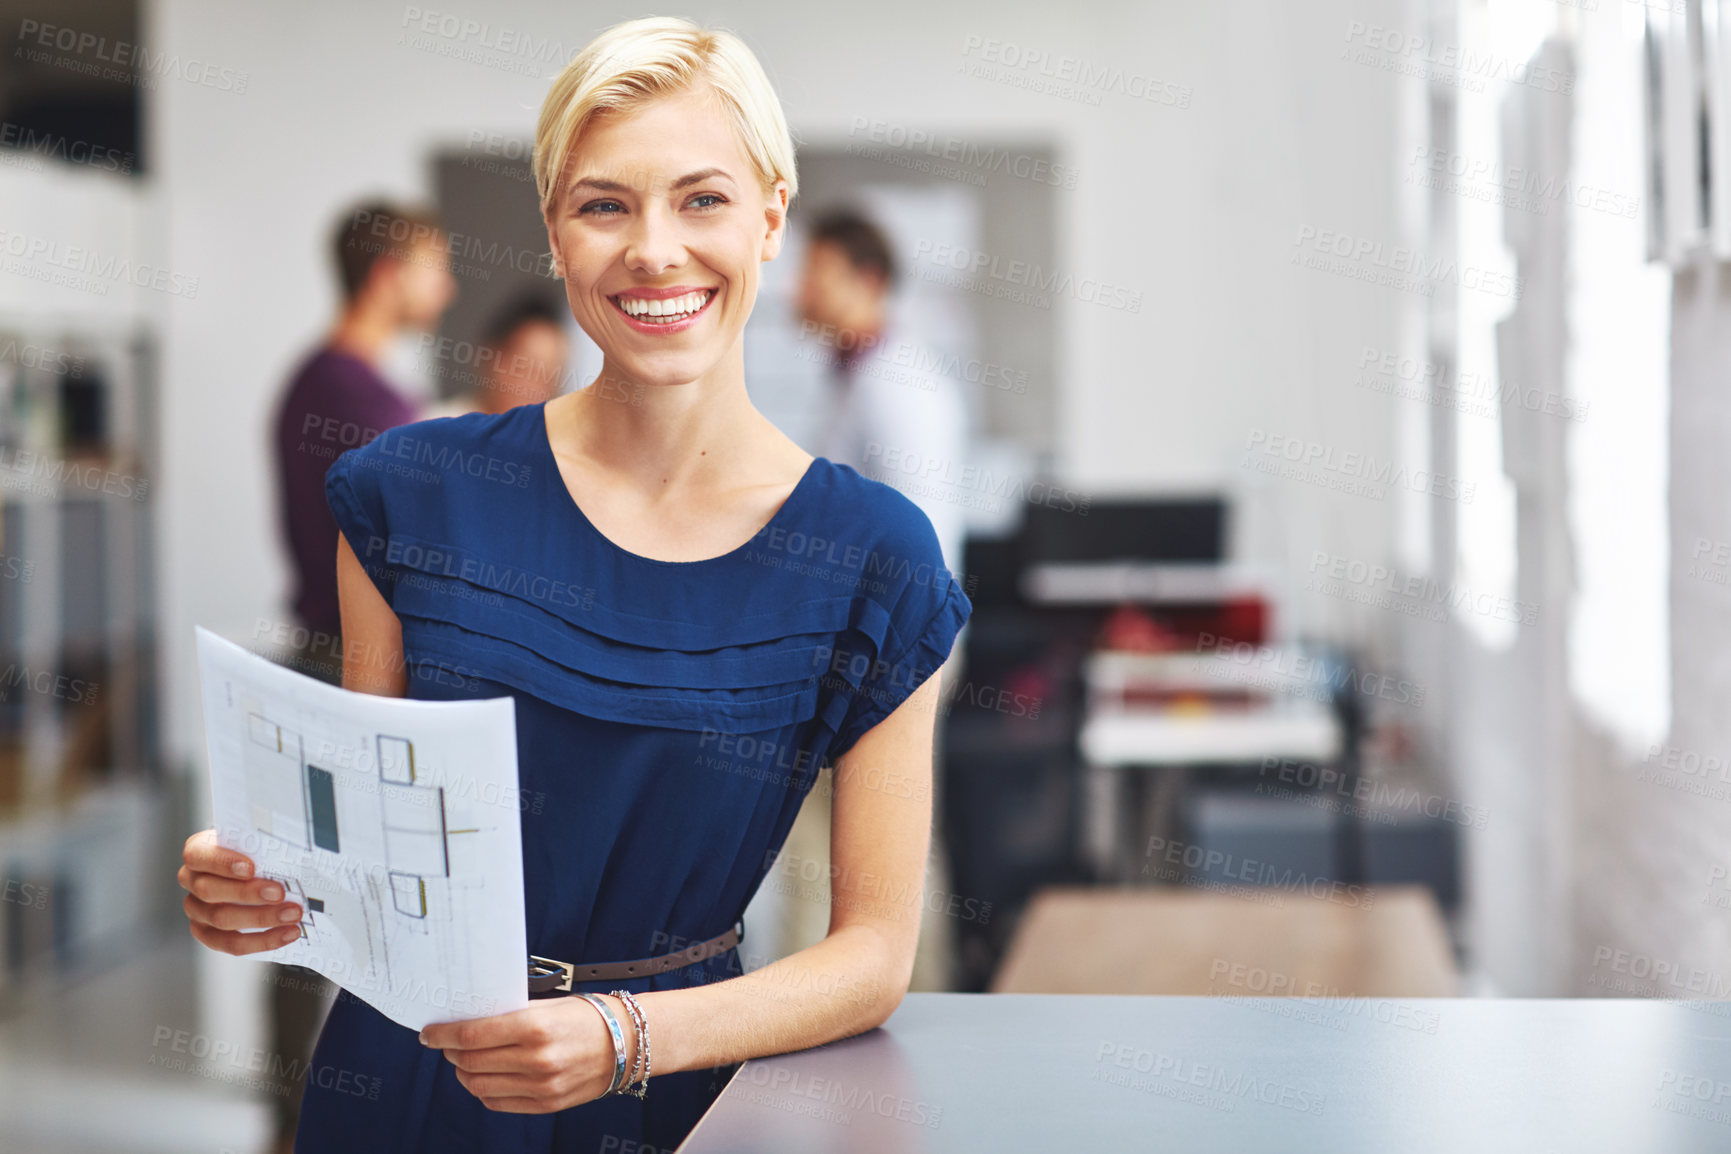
[1391,943]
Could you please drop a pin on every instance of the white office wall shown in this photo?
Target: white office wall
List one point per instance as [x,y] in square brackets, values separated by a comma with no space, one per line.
[1655,821]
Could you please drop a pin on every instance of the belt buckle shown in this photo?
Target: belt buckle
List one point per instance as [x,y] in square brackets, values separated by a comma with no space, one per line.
[552,966]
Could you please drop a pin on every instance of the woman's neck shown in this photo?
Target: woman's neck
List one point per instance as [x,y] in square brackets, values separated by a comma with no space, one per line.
[667,438]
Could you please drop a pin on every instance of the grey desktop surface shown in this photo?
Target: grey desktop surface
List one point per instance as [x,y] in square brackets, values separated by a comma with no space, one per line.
[1004,1073]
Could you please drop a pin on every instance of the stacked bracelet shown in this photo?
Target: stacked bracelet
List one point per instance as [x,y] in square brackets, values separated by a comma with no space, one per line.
[618,1041]
[638,1083]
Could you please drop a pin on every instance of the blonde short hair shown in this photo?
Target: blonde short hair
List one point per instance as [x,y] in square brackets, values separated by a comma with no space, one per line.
[638,60]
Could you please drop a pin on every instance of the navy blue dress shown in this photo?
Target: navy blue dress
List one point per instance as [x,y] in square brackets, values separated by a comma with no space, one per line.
[671,717]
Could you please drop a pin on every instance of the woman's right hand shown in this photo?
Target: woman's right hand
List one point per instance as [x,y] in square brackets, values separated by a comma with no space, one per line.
[227,904]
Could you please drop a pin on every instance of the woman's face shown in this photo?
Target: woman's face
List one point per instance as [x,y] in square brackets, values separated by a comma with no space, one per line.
[661,228]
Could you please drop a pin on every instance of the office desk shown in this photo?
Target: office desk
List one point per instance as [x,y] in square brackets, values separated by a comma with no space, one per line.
[1168,743]
[1120,740]
[1008,1073]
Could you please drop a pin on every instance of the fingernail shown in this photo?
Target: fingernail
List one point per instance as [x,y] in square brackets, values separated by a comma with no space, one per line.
[242,869]
[273,893]
[289,914]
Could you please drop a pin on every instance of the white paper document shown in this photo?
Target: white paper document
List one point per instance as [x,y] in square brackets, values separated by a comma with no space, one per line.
[393,824]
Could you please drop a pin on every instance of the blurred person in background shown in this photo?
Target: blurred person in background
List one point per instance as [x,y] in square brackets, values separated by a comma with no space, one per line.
[396,280]
[906,428]
[521,360]
[893,423]
[395,274]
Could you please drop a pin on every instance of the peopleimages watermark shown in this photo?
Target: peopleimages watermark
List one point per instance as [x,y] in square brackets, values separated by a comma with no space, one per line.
[481,577]
[371,976]
[1177,860]
[1283,995]
[472,364]
[29,355]
[1514,186]
[906,362]
[92,54]
[60,686]
[1718,887]
[1701,1096]
[1372,793]
[951,157]
[1686,771]
[30,471]
[442,457]
[1348,471]
[1708,561]
[1619,971]
[319,653]
[799,981]
[500,155]
[825,881]
[1117,1062]
[480,42]
[1064,76]
[830,1099]
[73,266]
[222,1060]
[1475,394]
[1369,260]
[615,1144]
[1383,586]
[1416,54]
[30,895]
[35,145]
[1310,675]
[459,246]
[827,560]
[964,483]
[1014,280]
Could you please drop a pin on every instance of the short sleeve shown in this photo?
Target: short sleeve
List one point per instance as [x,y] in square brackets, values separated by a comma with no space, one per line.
[356,499]
[921,630]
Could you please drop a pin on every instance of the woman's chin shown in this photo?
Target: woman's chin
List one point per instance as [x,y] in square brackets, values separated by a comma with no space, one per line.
[667,369]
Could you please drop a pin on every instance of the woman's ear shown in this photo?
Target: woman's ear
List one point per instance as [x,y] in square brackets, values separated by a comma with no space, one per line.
[775,220]
[553,247]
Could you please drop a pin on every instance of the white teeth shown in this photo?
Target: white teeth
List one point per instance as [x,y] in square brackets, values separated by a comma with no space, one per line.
[673,309]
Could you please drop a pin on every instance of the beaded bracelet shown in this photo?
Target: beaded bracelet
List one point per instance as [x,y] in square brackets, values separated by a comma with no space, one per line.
[618,1041]
[638,1083]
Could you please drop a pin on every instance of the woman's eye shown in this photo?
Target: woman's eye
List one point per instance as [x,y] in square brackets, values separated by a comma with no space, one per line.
[714,199]
[605,207]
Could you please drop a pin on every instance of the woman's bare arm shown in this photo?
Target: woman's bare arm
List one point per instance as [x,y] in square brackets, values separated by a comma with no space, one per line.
[855,977]
[372,635]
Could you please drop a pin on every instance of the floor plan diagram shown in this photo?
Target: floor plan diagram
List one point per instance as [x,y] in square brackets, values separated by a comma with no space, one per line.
[394,824]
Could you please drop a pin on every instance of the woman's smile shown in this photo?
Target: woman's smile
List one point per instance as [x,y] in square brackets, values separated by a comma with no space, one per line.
[663,311]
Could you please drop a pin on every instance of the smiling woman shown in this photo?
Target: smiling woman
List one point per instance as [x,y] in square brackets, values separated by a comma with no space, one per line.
[692,615]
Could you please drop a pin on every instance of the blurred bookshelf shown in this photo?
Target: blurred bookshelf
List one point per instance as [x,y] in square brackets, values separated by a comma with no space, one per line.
[82,800]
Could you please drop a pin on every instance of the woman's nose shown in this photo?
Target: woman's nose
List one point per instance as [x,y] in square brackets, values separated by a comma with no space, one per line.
[654,243]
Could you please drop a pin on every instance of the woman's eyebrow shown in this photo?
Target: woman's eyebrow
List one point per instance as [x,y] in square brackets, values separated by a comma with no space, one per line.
[699,177]
[603,185]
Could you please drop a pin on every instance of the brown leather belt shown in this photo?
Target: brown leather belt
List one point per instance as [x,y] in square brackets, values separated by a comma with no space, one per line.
[551,976]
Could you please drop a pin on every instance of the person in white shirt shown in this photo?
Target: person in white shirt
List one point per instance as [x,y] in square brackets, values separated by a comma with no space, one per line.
[894,413]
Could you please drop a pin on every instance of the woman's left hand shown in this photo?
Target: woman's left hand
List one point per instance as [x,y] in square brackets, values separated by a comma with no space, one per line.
[554,1055]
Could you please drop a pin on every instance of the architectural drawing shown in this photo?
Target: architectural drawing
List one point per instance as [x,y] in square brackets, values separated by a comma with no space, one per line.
[394,824]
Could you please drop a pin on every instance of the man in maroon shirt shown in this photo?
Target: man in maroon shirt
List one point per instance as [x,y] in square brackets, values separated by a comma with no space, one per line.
[395,273]
[395,269]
